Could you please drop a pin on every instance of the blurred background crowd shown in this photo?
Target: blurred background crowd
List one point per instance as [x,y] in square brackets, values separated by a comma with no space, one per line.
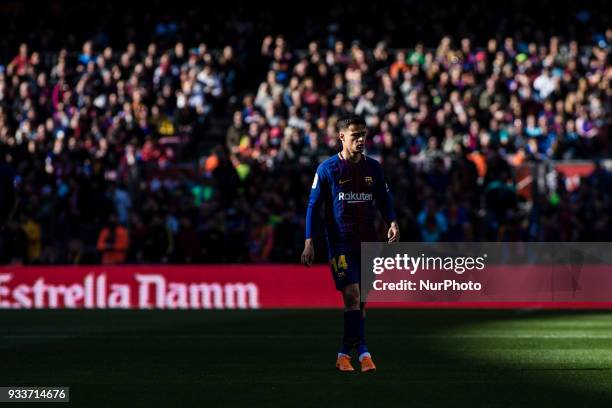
[194,136]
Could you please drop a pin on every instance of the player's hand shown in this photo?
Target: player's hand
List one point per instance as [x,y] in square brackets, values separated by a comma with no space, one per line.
[308,254]
[393,234]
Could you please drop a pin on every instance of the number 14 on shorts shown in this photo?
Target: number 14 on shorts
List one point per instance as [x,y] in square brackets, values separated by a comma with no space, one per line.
[340,264]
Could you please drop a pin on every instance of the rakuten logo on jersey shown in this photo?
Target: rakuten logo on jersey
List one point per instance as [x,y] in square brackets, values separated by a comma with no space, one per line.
[355,197]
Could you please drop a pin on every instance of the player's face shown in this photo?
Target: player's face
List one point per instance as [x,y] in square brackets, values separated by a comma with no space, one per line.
[353,138]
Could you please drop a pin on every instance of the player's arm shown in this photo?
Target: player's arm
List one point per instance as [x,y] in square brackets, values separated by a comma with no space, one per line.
[312,214]
[384,202]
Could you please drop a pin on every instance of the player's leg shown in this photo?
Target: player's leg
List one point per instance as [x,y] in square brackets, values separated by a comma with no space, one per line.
[352,318]
[365,358]
[346,269]
[354,327]
[352,313]
[345,283]
[353,267]
[362,326]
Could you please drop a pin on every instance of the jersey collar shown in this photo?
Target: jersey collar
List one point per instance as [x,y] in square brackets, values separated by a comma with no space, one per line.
[341,157]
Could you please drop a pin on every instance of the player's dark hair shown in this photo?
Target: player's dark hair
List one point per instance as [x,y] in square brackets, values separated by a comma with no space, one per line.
[348,120]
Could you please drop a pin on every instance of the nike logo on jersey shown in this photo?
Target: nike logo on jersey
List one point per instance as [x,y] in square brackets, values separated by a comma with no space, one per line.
[343,181]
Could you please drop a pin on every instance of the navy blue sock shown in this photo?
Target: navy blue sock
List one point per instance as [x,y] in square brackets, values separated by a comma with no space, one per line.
[345,349]
[352,319]
[361,343]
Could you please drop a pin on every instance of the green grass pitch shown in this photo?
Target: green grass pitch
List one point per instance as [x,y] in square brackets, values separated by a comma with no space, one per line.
[284,358]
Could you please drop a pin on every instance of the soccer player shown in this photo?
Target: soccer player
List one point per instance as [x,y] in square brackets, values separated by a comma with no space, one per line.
[352,186]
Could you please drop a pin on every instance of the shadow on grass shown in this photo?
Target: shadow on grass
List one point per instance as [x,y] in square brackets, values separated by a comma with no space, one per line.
[280,358]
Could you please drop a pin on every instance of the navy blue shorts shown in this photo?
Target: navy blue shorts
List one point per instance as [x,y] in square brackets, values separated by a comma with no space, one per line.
[345,268]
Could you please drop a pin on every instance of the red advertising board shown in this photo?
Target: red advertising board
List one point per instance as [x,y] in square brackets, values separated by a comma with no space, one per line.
[167,287]
[194,287]
[573,172]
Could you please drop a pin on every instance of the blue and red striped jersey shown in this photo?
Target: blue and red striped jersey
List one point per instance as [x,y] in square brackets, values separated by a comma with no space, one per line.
[352,192]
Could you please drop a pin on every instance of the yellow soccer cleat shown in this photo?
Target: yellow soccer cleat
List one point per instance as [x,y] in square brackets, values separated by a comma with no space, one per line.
[343,363]
[367,365]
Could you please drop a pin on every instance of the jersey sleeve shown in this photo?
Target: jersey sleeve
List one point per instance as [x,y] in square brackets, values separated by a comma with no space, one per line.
[319,186]
[384,200]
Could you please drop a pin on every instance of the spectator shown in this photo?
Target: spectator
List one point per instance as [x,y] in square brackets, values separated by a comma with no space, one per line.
[433,223]
[449,121]
[157,244]
[32,232]
[113,242]
[187,247]
[121,201]
[262,239]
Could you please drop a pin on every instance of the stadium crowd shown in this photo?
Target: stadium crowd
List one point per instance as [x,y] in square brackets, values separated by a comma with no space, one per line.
[450,125]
